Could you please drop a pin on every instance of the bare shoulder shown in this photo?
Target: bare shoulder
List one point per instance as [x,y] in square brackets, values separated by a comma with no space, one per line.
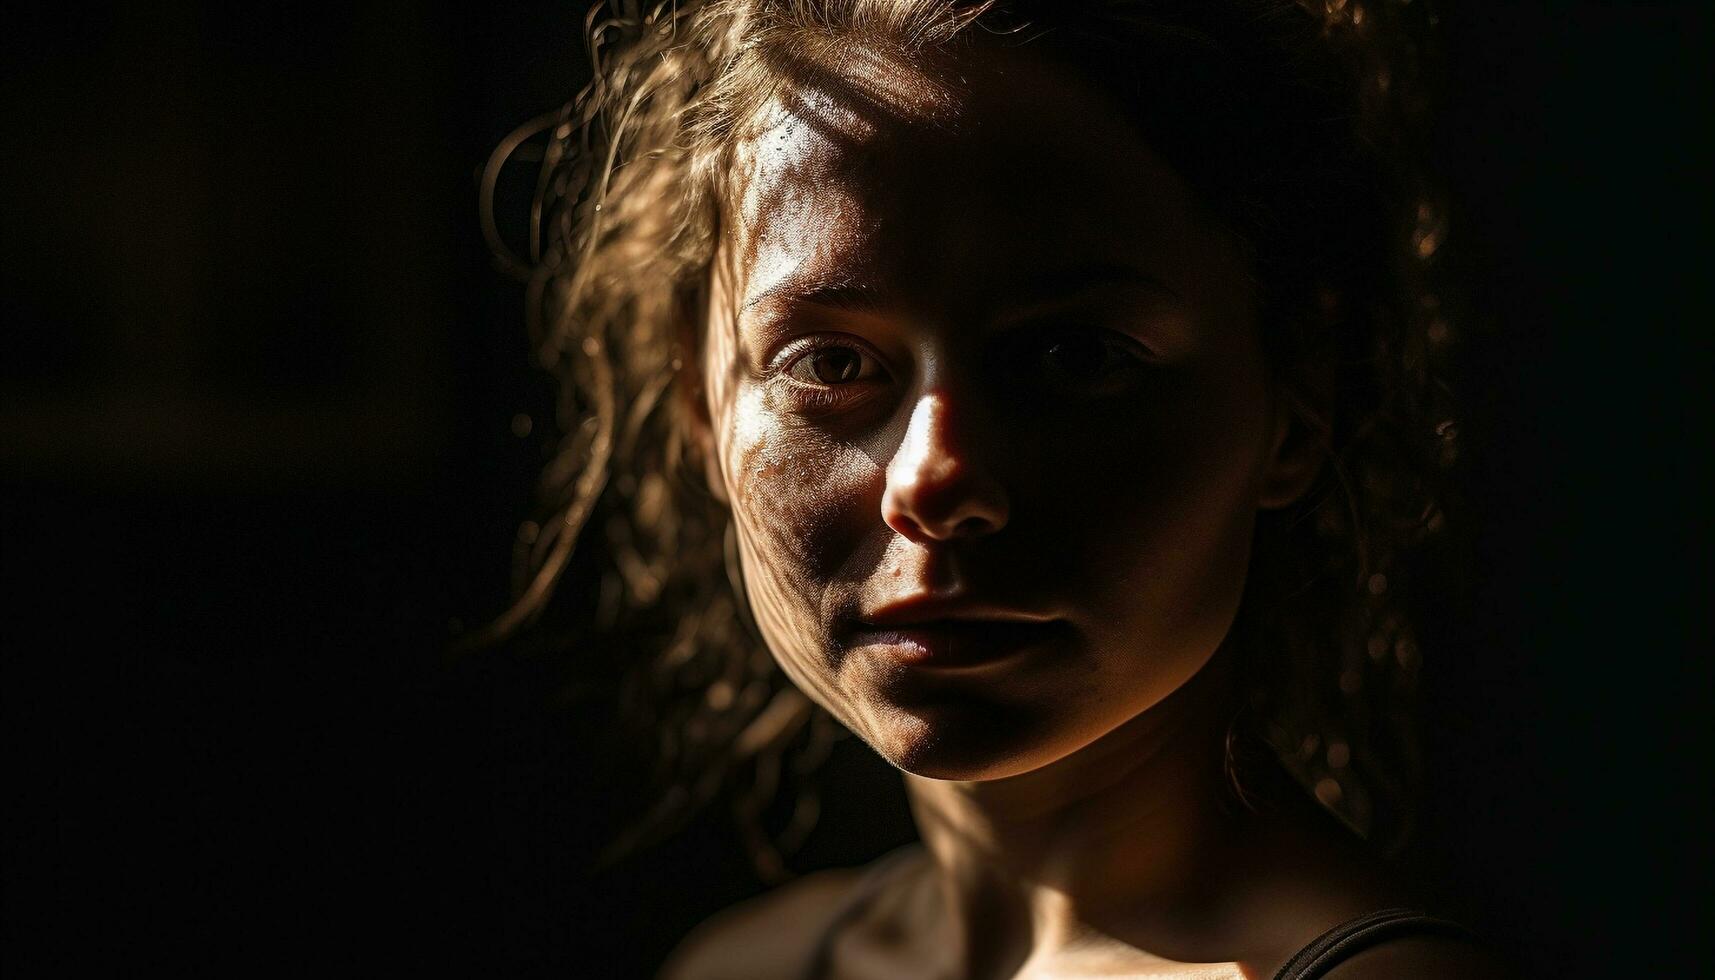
[1311,877]
[768,937]
[1421,958]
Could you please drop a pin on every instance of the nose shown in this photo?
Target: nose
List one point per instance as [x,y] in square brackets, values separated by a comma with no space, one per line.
[938,487]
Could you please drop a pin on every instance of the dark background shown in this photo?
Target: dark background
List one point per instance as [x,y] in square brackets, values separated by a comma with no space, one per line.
[257,442]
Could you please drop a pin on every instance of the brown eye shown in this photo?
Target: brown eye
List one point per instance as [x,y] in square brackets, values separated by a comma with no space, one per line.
[1077,355]
[833,365]
[1089,360]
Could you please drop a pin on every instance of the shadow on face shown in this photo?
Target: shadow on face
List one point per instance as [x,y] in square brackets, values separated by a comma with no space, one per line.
[988,403]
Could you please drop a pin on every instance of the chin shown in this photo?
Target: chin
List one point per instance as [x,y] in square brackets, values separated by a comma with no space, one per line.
[967,741]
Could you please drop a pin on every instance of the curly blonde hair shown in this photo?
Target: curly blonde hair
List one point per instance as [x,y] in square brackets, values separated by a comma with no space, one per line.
[1295,122]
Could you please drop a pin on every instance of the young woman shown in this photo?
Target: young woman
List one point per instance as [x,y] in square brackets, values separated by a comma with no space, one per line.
[1055,378]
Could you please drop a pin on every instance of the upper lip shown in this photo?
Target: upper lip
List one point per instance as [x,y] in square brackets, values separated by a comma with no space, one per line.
[925,609]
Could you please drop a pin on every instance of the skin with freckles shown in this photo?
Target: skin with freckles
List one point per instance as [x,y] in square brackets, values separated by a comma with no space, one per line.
[987,398]
[1056,405]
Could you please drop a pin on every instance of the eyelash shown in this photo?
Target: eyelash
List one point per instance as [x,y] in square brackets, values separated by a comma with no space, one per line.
[1025,344]
[1027,358]
[809,396]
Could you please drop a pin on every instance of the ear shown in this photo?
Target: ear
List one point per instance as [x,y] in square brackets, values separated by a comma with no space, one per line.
[1300,443]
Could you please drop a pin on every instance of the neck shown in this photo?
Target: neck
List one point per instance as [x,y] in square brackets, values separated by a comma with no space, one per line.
[1123,836]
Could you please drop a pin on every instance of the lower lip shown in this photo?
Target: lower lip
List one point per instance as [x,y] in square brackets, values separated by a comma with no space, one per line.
[951,645]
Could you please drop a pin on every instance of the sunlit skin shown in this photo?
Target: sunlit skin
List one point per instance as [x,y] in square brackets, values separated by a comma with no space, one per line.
[986,395]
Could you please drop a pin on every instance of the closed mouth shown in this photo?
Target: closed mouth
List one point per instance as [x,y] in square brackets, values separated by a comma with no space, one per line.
[953,643]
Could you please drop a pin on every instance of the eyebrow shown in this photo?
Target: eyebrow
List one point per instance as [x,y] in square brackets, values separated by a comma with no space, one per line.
[836,293]
[1053,286]
[1070,281]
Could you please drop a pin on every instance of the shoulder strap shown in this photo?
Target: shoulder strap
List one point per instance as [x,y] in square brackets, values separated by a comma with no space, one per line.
[1352,937]
[863,892]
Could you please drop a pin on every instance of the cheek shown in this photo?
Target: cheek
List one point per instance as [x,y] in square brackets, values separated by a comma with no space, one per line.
[804,506]
[1158,525]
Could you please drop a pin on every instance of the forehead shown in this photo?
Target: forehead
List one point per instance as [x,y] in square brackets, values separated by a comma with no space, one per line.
[946,173]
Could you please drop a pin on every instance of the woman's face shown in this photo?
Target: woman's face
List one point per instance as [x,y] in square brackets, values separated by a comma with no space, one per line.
[987,399]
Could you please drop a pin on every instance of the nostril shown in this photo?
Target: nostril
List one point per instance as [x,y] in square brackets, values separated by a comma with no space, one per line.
[903,525]
[972,527]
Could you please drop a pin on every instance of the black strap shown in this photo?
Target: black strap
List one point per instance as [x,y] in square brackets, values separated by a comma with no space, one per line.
[1350,938]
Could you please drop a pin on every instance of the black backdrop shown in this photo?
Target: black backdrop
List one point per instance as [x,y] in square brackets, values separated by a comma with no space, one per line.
[259,390]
